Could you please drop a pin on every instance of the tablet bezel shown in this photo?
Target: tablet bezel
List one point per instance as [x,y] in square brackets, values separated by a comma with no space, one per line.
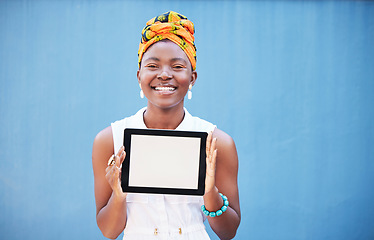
[128,132]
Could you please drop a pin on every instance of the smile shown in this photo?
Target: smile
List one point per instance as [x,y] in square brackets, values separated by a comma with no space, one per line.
[165,89]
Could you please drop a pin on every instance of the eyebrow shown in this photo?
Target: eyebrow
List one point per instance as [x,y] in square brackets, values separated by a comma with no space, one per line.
[178,59]
[152,58]
[172,60]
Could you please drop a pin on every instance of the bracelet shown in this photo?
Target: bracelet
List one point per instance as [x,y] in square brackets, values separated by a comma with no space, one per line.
[220,211]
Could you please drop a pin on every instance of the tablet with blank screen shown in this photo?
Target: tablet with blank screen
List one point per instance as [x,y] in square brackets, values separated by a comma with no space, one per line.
[164,161]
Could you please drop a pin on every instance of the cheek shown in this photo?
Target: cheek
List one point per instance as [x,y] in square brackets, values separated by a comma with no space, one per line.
[187,82]
[146,77]
[184,78]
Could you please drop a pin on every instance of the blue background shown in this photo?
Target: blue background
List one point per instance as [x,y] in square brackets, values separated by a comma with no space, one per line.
[290,81]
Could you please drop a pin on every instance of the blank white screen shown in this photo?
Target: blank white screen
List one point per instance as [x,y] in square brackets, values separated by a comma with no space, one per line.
[164,162]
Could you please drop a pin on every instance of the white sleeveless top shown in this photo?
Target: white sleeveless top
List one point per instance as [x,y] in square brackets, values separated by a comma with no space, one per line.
[162,216]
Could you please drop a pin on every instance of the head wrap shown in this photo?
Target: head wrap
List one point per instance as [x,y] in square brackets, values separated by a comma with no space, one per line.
[173,26]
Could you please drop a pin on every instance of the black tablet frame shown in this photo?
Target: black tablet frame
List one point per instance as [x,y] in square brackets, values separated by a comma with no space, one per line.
[128,132]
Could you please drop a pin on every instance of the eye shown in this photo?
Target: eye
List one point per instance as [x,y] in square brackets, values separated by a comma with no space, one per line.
[178,66]
[151,66]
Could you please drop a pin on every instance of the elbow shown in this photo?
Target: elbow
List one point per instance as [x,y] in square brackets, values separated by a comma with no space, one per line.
[108,231]
[233,234]
[110,228]
[109,234]
[226,235]
[230,235]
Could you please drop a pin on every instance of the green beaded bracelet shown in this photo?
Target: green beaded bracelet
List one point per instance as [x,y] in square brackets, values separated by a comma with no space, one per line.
[220,211]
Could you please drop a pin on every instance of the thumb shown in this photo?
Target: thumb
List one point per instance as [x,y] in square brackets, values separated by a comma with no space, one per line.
[122,158]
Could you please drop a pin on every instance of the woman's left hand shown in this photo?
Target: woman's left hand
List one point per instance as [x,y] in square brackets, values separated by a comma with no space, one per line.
[211,156]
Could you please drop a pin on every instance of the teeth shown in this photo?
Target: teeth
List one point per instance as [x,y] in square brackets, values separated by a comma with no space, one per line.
[164,88]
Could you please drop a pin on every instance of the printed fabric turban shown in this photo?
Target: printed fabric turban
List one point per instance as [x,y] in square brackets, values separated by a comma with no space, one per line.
[173,26]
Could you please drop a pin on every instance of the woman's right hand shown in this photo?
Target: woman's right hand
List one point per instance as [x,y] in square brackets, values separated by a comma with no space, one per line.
[113,173]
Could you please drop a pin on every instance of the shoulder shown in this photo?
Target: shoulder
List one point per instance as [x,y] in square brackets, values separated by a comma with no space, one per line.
[223,139]
[227,156]
[103,141]
[104,135]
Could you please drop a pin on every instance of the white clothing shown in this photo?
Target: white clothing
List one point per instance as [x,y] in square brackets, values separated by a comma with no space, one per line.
[162,216]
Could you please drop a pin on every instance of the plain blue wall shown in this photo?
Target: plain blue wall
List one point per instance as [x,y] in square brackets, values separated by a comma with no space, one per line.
[290,81]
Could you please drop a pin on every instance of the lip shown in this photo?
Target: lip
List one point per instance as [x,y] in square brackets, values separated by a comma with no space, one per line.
[164,89]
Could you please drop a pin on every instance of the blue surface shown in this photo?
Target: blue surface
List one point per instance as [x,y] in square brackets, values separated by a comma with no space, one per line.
[290,81]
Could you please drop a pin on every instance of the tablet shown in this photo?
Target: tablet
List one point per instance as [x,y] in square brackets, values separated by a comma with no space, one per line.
[164,161]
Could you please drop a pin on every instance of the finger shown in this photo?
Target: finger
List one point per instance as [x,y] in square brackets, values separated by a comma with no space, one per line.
[109,177]
[117,179]
[120,151]
[109,167]
[118,165]
[116,173]
[213,147]
[110,170]
[207,160]
[122,158]
[214,159]
[111,160]
[117,183]
[208,142]
[117,161]
[112,176]
[117,156]
[211,167]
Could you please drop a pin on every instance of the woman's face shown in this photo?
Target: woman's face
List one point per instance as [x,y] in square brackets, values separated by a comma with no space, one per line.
[165,74]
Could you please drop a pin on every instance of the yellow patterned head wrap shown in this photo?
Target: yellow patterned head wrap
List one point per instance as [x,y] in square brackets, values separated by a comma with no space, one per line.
[173,26]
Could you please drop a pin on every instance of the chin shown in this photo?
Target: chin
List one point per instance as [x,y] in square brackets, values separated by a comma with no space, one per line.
[167,104]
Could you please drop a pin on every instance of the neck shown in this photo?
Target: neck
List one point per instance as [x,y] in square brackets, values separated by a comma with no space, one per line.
[159,118]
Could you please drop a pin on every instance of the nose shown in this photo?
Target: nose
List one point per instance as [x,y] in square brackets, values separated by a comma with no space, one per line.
[164,74]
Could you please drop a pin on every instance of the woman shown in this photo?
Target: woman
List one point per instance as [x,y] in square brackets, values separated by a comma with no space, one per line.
[167,63]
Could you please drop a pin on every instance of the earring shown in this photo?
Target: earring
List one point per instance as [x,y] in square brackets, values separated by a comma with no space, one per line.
[141,92]
[189,94]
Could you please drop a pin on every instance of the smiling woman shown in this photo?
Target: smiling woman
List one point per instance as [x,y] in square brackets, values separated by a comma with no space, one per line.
[167,63]
[165,76]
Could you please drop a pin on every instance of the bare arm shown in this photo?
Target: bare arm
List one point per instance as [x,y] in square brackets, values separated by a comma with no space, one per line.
[223,167]
[110,200]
